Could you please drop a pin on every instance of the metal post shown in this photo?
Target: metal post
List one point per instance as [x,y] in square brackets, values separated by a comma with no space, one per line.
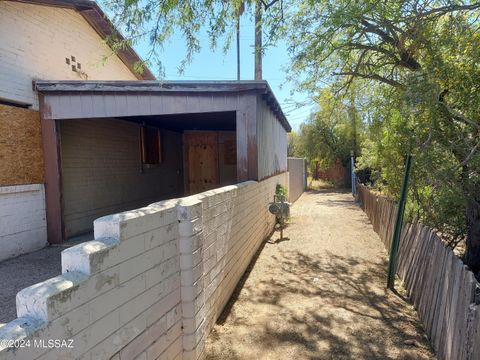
[398,225]
[354,190]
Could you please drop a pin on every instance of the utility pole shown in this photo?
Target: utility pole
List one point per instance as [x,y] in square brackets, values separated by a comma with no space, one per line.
[353,115]
[258,40]
[240,11]
[238,48]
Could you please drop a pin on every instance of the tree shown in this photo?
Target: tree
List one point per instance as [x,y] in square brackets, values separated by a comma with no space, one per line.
[157,20]
[421,58]
[328,135]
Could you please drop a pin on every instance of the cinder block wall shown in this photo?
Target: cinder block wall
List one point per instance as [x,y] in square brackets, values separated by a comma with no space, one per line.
[151,284]
[110,149]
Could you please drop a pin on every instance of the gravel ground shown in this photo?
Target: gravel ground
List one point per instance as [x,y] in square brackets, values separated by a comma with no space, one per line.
[25,270]
[319,293]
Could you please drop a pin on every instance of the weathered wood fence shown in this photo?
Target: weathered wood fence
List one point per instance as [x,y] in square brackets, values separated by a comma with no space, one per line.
[442,289]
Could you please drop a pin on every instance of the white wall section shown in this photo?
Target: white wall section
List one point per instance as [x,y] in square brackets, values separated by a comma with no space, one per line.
[22,219]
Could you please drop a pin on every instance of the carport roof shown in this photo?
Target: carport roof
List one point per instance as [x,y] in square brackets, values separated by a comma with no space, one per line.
[188,87]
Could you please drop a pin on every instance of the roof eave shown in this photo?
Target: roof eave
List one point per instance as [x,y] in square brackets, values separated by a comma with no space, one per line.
[260,87]
[96,18]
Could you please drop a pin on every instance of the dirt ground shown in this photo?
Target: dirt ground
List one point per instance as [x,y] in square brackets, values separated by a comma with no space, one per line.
[319,294]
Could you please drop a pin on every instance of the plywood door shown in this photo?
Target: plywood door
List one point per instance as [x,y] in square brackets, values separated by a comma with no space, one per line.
[201,161]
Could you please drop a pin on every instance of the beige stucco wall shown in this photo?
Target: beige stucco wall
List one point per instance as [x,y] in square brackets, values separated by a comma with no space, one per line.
[36,39]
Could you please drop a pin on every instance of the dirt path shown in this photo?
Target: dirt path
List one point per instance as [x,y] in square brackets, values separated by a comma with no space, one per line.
[320,294]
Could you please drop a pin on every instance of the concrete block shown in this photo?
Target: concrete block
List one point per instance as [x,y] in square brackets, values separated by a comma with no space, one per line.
[162,306]
[190,276]
[188,261]
[189,208]
[190,227]
[39,300]
[161,235]
[171,336]
[188,245]
[87,257]
[189,293]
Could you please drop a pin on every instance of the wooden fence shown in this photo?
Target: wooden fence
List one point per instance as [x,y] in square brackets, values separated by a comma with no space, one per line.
[442,289]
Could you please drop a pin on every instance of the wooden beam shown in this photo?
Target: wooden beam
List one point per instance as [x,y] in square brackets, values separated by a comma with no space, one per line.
[53,176]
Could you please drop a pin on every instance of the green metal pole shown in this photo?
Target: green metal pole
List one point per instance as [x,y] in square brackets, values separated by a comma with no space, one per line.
[398,225]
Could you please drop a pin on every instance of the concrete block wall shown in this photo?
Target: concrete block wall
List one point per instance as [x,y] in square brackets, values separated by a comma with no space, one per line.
[22,219]
[151,284]
[110,149]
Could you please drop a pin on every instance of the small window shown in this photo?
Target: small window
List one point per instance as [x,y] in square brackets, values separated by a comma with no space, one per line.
[151,146]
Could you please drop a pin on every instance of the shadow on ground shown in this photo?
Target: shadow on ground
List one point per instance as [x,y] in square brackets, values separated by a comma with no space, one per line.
[294,303]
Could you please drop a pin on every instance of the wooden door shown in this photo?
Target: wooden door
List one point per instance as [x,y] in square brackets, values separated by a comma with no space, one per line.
[201,161]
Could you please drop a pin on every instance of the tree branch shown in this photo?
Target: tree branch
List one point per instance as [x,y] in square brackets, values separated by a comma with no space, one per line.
[376,77]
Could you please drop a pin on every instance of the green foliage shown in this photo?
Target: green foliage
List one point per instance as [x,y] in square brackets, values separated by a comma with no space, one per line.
[417,65]
[332,132]
[404,74]
[281,190]
[156,21]
[293,144]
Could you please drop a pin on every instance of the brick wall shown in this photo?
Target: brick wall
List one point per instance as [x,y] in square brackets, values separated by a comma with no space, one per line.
[152,283]
[36,39]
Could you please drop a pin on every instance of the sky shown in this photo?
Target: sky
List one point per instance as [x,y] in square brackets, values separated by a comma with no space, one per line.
[216,65]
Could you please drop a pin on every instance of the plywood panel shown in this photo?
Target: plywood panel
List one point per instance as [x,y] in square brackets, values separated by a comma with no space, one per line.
[21,154]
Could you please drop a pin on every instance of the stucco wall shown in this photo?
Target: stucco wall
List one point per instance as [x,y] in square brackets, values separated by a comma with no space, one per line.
[271,142]
[152,283]
[36,39]
[102,173]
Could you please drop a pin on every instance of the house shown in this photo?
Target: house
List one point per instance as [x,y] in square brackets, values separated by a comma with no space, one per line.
[82,138]
[39,39]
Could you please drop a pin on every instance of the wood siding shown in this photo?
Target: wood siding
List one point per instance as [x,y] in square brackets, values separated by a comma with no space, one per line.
[201,161]
[99,105]
[227,157]
[102,171]
[272,142]
[21,154]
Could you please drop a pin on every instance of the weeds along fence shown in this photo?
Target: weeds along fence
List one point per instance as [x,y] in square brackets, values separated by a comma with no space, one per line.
[444,292]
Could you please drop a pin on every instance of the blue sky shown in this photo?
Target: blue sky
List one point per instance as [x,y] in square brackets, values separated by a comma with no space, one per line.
[215,65]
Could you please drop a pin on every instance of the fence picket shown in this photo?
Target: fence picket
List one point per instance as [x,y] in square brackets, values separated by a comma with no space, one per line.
[438,284]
